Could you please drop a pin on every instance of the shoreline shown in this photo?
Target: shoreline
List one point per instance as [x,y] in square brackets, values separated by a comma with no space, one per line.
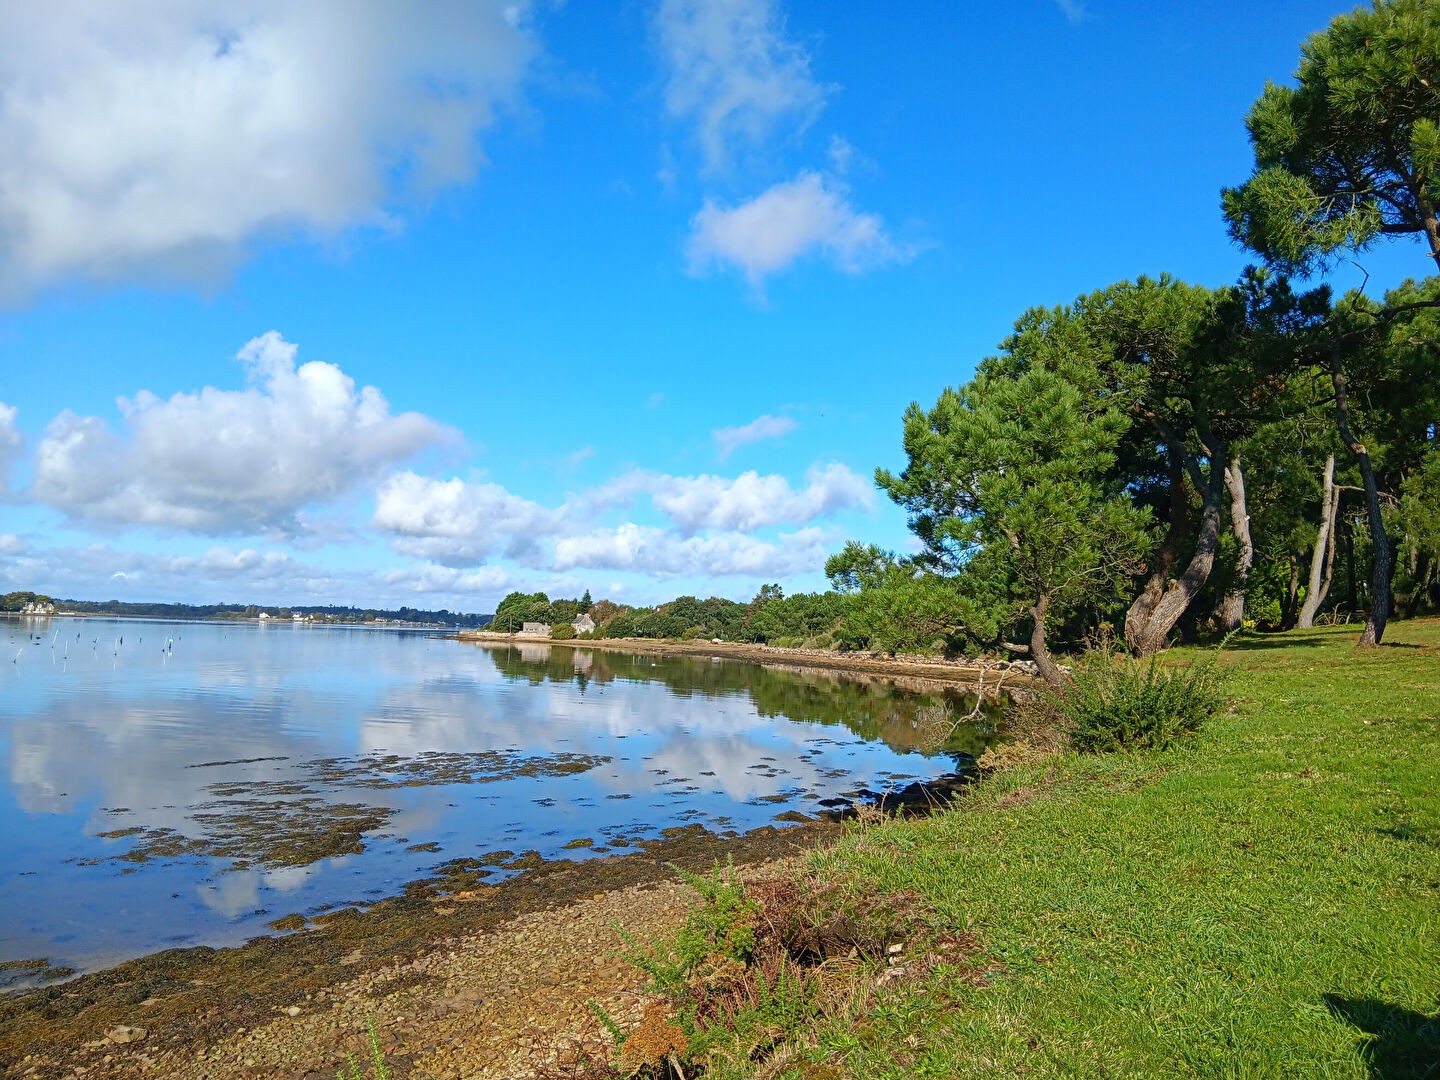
[293,1005]
[463,978]
[206,1011]
[932,669]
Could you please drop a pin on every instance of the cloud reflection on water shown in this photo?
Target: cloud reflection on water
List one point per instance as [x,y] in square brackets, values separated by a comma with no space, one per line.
[143,737]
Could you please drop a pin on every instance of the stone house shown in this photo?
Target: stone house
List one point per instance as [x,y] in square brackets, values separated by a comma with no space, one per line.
[583,624]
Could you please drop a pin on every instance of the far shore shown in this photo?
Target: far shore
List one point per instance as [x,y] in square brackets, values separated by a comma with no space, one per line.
[967,672]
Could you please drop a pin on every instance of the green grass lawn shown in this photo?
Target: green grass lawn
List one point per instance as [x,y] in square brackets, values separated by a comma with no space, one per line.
[1261,901]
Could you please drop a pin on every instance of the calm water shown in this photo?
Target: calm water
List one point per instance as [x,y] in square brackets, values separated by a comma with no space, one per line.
[172,784]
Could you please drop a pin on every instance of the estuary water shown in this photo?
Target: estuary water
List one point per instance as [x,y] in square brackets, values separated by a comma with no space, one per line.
[176,784]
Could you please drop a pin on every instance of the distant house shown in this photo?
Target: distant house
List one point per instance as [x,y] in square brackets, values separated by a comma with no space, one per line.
[264,615]
[535,629]
[38,607]
[583,624]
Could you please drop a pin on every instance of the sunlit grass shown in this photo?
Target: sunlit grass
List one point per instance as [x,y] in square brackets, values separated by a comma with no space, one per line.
[1263,899]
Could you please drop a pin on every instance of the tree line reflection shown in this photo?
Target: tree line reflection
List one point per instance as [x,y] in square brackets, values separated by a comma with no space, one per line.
[905,718]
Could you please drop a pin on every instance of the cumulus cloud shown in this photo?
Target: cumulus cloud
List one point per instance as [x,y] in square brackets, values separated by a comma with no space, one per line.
[810,215]
[158,139]
[730,439]
[751,501]
[10,544]
[223,572]
[230,461]
[490,581]
[661,552]
[454,522]
[12,443]
[224,563]
[733,74]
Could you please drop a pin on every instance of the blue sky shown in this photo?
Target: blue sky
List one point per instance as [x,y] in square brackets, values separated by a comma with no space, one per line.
[342,303]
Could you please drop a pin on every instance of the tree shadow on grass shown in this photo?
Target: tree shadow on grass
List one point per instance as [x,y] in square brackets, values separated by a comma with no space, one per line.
[1403,1044]
[1289,639]
[1304,639]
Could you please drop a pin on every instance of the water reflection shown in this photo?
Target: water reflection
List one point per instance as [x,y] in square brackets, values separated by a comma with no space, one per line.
[876,709]
[170,784]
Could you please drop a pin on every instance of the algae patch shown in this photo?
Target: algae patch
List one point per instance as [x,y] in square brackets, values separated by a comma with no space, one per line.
[17,974]
[301,818]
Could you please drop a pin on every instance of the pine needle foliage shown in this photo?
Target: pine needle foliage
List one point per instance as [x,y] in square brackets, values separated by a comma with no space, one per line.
[1122,703]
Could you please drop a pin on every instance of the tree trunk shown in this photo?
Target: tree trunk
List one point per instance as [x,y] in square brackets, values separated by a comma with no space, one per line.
[1324,541]
[1038,652]
[1352,586]
[1164,561]
[1329,575]
[1230,613]
[1419,581]
[1382,555]
[1292,596]
[1152,630]
[1432,229]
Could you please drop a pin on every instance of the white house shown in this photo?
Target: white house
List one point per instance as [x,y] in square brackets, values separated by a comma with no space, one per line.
[583,624]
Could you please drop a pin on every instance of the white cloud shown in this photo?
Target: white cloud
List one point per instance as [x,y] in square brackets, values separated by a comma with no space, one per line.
[158,139]
[488,581]
[1073,10]
[230,461]
[10,544]
[95,571]
[810,215]
[751,501]
[223,563]
[456,522]
[734,74]
[729,439]
[661,552]
[12,443]
[576,458]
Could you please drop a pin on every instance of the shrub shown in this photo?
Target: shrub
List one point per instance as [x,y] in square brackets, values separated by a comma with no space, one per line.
[562,632]
[1117,703]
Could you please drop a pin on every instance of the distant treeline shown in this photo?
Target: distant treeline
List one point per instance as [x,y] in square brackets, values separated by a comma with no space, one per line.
[328,613]
[815,620]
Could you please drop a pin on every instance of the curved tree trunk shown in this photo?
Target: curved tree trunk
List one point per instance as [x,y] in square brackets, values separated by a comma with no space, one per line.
[1150,632]
[1038,652]
[1382,554]
[1164,561]
[1230,612]
[1323,556]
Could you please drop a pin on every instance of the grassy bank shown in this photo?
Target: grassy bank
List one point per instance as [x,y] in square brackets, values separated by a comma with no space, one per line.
[1263,900]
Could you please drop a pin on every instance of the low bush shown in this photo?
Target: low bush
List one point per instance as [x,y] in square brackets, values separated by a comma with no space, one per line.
[758,971]
[1120,703]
